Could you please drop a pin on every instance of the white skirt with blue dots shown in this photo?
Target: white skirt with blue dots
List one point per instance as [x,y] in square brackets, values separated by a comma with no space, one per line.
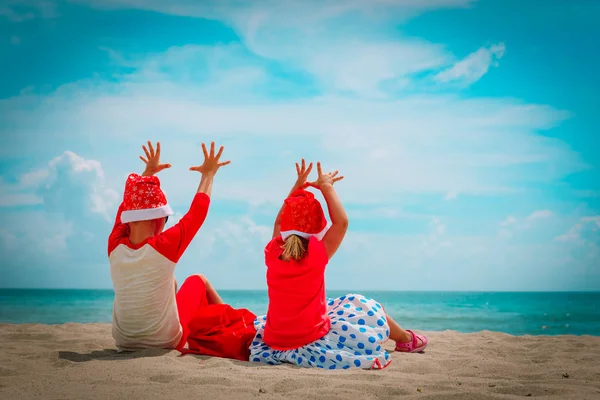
[358,329]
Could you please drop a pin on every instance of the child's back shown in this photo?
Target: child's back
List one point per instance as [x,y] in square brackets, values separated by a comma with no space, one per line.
[145,310]
[297,312]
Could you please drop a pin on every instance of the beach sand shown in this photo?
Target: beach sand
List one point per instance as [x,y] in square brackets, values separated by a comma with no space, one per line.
[75,361]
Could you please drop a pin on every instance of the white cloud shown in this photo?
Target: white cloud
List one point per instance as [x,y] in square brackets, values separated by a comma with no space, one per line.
[510,220]
[540,214]
[23,10]
[512,226]
[21,199]
[14,16]
[586,230]
[224,92]
[474,66]
[436,241]
[358,66]
[340,43]
[72,185]
[535,215]
[11,194]
[34,178]
[73,194]
[377,261]
[69,232]
[464,146]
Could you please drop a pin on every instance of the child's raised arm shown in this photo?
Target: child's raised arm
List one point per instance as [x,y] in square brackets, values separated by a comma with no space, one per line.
[339,219]
[209,168]
[175,240]
[303,173]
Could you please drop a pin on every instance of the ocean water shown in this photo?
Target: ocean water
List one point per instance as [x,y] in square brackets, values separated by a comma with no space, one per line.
[576,313]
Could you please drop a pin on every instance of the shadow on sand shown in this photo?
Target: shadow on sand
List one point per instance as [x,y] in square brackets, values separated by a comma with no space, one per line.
[110,355]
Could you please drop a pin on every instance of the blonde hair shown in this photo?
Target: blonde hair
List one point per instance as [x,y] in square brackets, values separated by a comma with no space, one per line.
[294,248]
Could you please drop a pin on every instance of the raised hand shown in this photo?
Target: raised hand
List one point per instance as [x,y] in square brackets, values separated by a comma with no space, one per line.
[324,180]
[303,173]
[211,163]
[152,160]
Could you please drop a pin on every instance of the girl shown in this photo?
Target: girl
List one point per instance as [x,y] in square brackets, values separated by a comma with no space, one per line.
[302,327]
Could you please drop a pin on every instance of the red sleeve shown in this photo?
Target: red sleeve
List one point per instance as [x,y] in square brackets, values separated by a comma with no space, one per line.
[173,242]
[273,249]
[317,252]
[119,232]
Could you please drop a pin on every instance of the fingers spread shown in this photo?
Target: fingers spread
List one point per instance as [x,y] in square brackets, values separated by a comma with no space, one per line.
[224,163]
[158,149]
[319,168]
[144,160]
[146,151]
[220,152]
[212,149]
[151,148]
[309,168]
[204,150]
[297,169]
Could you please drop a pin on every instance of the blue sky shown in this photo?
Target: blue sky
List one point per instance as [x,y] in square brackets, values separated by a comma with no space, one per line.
[466,130]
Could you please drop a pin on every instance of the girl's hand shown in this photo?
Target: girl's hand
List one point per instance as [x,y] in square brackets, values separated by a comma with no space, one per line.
[211,163]
[303,173]
[153,165]
[325,180]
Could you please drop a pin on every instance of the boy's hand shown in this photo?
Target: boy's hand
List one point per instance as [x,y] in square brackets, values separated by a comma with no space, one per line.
[211,163]
[303,173]
[153,165]
[325,180]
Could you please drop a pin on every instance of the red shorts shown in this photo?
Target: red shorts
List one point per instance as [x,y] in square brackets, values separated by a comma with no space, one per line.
[190,298]
[216,330]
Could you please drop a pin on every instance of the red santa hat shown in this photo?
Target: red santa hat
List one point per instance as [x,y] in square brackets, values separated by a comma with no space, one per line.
[302,216]
[144,199]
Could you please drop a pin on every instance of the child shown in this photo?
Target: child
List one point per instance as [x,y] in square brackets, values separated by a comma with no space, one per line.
[147,312]
[302,327]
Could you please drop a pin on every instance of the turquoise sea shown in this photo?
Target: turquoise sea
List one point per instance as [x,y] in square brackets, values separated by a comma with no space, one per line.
[576,313]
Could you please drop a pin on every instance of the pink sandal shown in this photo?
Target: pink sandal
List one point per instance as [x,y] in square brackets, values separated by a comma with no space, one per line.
[411,347]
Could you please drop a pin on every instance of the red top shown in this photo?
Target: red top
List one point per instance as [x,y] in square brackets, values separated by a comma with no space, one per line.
[170,243]
[297,312]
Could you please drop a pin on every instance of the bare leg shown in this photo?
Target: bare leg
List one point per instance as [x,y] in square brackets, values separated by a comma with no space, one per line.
[175,285]
[398,334]
[211,294]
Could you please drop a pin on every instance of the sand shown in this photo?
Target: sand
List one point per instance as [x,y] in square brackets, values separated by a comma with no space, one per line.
[75,361]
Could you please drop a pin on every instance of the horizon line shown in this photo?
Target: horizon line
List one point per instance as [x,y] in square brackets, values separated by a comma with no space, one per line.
[352,290]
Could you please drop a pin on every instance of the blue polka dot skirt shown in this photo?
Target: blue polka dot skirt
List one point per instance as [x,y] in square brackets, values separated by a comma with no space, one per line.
[358,329]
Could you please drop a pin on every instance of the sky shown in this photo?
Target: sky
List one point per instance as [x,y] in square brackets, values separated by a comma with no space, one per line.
[467,133]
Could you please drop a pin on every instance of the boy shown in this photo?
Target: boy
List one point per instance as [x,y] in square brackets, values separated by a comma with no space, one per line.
[147,312]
